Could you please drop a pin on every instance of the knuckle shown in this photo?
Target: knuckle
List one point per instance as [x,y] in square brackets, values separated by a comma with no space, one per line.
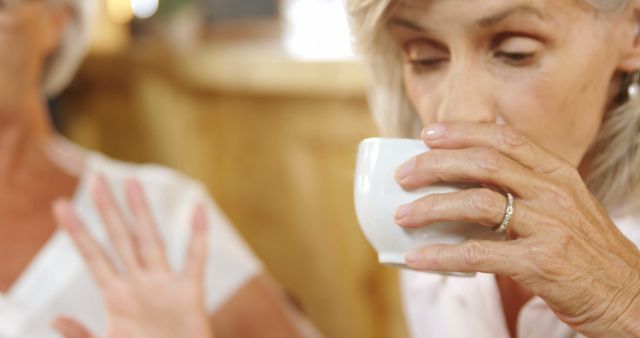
[482,200]
[563,240]
[434,258]
[571,173]
[540,256]
[546,256]
[560,194]
[560,167]
[431,202]
[433,158]
[423,208]
[473,253]
[509,138]
[490,160]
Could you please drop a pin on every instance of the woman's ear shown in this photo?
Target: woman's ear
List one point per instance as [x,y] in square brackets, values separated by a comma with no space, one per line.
[630,43]
[56,25]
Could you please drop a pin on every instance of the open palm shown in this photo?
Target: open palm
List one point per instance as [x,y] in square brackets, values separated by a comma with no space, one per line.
[144,298]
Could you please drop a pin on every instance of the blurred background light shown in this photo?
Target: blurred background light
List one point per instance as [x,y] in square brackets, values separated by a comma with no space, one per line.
[144,9]
[317,30]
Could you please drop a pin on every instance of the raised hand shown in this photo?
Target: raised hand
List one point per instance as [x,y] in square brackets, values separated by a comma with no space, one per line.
[144,298]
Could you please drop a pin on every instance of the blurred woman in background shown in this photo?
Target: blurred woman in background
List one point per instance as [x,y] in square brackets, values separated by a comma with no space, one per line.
[42,275]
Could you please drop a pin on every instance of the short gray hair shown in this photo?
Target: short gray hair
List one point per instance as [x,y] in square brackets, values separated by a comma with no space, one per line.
[63,64]
[614,166]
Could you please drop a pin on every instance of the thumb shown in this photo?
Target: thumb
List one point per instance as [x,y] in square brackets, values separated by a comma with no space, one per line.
[70,328]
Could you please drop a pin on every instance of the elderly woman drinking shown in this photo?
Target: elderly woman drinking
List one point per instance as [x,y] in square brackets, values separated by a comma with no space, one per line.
[537,103]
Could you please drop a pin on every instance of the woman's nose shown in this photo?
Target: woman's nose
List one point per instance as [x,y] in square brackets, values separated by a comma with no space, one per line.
[466,96]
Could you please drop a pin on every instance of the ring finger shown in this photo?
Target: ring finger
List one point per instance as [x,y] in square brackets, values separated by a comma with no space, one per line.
[480,206]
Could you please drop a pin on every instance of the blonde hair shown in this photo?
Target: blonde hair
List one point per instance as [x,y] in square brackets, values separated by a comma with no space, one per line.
[614,165]
[63,64]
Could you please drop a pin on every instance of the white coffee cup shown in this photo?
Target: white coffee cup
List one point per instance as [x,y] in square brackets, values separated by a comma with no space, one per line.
[378,195]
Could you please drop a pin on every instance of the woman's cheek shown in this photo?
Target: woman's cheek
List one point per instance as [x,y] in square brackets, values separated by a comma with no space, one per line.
[539,116]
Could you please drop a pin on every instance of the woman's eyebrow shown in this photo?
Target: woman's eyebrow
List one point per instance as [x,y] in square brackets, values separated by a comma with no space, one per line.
[485,22]
[401,22]
[502,15]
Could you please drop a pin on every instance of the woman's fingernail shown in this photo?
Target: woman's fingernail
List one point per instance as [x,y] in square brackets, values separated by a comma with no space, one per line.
[406,169]
[412,257]
[434,132]
[403,211]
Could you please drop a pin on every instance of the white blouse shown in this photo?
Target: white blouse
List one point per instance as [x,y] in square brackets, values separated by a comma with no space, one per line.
[57,282]
[438,306]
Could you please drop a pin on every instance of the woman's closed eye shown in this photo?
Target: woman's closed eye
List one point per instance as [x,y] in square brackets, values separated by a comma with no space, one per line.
[517,51]
[427,62]
[425,55]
